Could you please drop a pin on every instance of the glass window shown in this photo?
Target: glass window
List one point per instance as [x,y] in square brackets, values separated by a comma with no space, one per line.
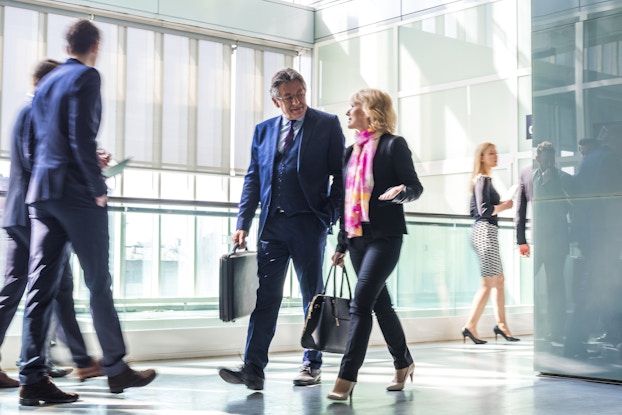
[177,256]
[140,97]
[370,59]
[449,124]
[140,266]
[273,62]
[57,29]
[212,188]
[176,186]
[20,51]
[553,57]
[524,109]
[213,115]
[108,66]
[247,106]
[213,237]
[555,118]
[175,100]
[601,48]
[140,183]
[470,43]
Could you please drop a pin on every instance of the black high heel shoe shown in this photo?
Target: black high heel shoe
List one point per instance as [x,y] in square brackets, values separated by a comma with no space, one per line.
[466,333]
[497,331]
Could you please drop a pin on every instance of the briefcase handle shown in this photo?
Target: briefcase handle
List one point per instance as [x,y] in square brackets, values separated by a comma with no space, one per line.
[235,248]
[332,273]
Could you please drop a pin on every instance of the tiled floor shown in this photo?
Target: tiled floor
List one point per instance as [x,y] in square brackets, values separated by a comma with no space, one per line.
[450,379]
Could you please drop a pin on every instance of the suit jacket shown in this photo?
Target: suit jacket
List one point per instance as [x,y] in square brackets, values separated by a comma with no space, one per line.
[66,112]
[22,141]
[320,157]
[393,166]
[551,210]
[525,195]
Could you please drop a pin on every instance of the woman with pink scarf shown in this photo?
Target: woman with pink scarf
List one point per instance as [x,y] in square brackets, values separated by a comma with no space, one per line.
[379,177]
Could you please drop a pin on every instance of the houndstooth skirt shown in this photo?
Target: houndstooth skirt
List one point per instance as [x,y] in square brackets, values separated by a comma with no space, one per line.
[485,240]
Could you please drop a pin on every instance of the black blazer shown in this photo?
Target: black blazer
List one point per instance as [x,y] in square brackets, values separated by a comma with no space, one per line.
[66,111]
[22,142]
[393,166]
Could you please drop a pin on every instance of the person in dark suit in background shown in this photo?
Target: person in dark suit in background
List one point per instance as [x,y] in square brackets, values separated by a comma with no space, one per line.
[587,145]
[17,226]
[379,177]
[293,158]
[550,229]
[68,204]
[596,228]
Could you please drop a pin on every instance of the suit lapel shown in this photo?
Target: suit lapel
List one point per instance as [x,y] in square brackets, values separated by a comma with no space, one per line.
[273,139]
[307,131]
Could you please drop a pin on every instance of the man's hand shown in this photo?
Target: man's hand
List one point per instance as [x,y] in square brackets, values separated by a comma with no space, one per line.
[524,251]
[101,200]
[104,158]
[239,238]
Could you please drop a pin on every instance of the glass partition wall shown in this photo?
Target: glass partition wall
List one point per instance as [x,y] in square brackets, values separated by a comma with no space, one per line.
[577,80]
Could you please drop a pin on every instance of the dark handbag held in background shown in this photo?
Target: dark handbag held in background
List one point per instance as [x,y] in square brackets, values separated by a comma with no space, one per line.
[328,317]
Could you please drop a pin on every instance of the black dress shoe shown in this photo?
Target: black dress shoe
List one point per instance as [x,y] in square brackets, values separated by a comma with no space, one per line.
[609,338]
[59,372]
[45,390]
[6,381]
[242,377]
[130,379]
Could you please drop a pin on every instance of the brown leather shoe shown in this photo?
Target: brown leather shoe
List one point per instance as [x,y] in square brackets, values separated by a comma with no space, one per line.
[130,379]
[46,391]
[6,381]
[92,371]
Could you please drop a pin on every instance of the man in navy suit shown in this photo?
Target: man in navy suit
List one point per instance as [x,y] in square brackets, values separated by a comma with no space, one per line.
[17,226]
[67,198]
[295,173]
[550,229]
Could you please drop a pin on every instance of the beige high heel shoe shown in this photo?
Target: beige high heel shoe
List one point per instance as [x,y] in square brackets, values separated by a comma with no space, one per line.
[400,378]
[342,390]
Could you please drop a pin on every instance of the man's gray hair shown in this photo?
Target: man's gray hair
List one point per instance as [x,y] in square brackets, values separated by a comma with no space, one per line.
[285,76]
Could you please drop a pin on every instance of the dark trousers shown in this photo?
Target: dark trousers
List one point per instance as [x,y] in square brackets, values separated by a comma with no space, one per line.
[553,262]
[373,260]
[15,280]
[78,220]
[303,239]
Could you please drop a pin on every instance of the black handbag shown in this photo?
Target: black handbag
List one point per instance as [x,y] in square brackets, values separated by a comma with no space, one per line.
[328,317]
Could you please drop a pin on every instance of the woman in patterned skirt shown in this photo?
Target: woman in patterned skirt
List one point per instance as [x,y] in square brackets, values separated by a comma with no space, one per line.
[485,205]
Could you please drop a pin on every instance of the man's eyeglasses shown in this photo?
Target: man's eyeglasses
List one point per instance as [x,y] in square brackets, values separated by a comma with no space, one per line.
[288,99]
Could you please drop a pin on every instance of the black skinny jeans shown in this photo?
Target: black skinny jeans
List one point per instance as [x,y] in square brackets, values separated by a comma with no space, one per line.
[373,260]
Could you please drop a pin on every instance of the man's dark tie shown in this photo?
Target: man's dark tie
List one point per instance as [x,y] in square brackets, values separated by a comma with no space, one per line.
[289,138]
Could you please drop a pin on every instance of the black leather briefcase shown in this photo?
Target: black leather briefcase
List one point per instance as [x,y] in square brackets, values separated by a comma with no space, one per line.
[238,284]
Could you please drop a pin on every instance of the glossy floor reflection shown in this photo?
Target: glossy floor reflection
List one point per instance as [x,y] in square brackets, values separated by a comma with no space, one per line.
[450,379]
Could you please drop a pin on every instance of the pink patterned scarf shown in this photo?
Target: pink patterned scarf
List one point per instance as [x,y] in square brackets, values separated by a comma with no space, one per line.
[360,182]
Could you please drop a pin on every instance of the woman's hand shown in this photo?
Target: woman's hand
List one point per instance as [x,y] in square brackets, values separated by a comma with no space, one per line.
[504,205]
[338,258]
[507,204]
[391,192]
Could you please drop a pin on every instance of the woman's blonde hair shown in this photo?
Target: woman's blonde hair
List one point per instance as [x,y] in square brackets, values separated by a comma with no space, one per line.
[478,167]
[379,108]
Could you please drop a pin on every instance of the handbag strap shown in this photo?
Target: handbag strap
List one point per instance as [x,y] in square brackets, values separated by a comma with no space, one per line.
[344,277]
[332,274]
